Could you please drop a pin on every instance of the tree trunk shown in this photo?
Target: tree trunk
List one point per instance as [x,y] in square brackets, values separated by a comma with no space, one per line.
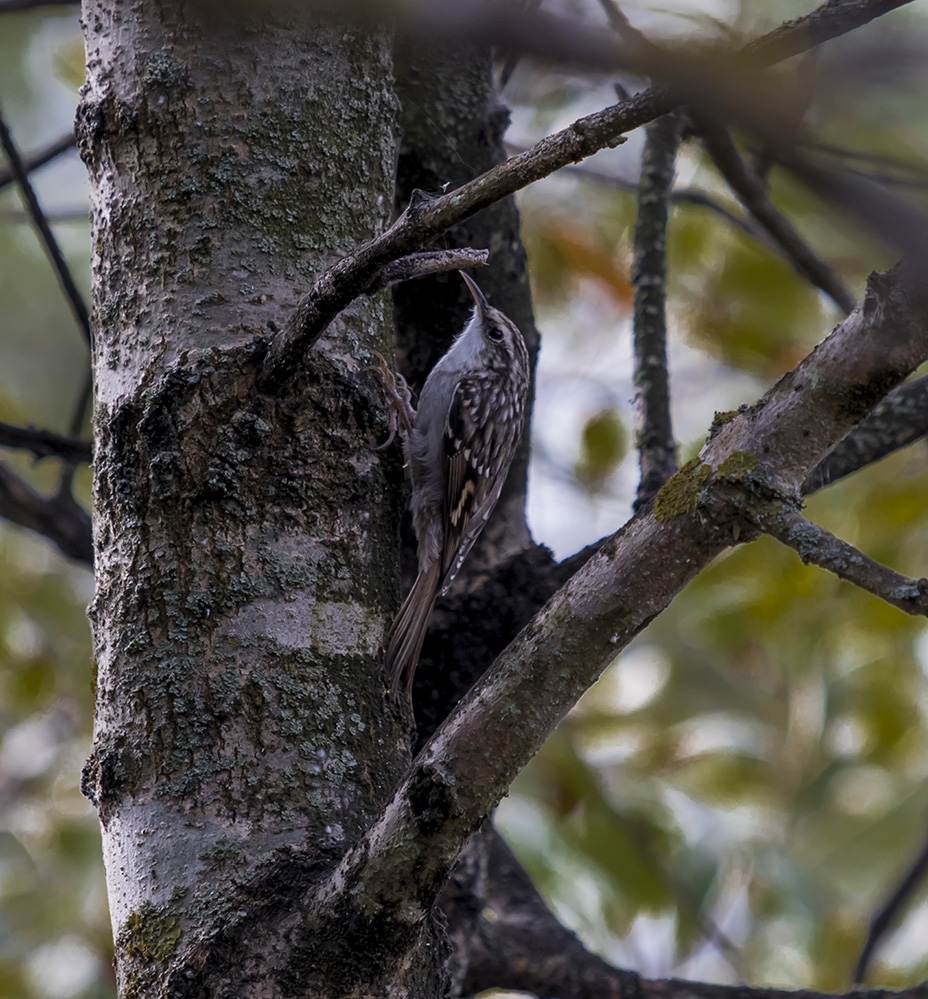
[246,543]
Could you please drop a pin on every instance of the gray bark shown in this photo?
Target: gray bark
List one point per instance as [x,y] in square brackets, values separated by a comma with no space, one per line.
[245,541]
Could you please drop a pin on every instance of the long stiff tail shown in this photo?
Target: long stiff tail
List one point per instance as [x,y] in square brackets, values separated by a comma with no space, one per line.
[408,629]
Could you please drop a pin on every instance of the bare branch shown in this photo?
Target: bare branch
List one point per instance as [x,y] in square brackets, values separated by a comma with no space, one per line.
[471,628]
[511,59]
[37,159]
[521,946]
[620,24]
[815,545]
[59,518]
[18,169]
[829,20]
[690,196]
[752,192]
[656,447]
[908,173]
[44,443]
[901,225]
[560,40]
[417,265]
[425,217]
[887,913]
[504,934]
[766,453]
[678,196]
[899,420]
[726,86]
[59,216]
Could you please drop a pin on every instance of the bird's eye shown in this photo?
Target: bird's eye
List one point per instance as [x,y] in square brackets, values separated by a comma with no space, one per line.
[495,334]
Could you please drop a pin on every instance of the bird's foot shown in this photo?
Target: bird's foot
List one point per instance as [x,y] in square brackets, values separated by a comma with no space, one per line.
[400,413]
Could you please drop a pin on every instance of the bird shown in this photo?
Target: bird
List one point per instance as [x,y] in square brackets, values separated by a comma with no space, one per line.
[458,447]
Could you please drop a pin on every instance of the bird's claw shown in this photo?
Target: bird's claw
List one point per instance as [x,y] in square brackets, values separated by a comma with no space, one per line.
[400,414]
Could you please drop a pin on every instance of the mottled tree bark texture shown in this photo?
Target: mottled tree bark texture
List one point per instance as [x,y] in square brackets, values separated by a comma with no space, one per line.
[246,543]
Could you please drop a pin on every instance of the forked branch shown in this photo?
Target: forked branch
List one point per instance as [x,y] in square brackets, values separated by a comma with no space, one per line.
[426,217]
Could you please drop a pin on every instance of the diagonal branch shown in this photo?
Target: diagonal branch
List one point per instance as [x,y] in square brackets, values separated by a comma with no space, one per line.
[59,518]
[657,458]
[38,159]
[679,196]
[884,918]
[751,191]
[899,420]
[471,628]
[524,947]
[427,217]
[21,175]
[815,545]
[763,453]
[620,24]
[44,443]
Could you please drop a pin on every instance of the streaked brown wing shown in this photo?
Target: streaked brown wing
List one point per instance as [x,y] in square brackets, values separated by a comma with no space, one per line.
[467,482]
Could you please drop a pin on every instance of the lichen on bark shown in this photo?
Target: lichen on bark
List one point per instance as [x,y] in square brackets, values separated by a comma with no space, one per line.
[679,496]
[245,538]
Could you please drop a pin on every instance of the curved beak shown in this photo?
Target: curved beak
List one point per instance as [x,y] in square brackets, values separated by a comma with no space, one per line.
[482,304]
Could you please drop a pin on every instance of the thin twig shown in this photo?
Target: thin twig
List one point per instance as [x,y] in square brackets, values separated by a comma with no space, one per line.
[75,300]
[867,156]
[679,196]
[690,196]
[801,34]
[60,216]
[44,443]
[816,546]
[887,913]
[39,158]
[620,24]
[511,59]
[803,88]
[79,414]
[888,180]
[750,189]
[656,447]
[59,518]
[425,218]
[417,265]
[901,225]
[725,85]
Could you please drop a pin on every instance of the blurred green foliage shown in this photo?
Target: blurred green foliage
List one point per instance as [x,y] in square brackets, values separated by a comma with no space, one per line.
[747,782]
[756,762]
[603,445]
